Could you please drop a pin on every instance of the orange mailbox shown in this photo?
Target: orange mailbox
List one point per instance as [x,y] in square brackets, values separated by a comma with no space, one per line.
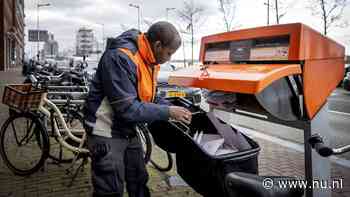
[249,61]
[281,74]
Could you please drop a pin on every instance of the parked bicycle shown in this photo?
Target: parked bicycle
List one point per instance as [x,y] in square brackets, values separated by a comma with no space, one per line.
[37,129]
[77,76]
[24,137]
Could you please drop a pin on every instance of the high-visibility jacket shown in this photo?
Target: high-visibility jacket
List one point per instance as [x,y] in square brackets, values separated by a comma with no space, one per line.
[146,72]
[122,92]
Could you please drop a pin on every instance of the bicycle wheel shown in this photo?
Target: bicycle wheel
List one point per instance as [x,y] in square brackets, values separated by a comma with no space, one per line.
[161,160]
[24,143]
[146,142]
[59,153]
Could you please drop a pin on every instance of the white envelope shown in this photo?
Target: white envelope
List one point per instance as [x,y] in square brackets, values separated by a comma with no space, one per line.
[223,151]
[212,146]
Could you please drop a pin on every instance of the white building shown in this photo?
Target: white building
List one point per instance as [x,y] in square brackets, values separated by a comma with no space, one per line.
[84,41]
[50,47]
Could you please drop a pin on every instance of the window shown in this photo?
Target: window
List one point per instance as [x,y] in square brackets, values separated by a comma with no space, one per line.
[20,8]
[13,55]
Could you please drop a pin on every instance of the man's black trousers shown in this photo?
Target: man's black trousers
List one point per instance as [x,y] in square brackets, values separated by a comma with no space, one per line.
[115,161]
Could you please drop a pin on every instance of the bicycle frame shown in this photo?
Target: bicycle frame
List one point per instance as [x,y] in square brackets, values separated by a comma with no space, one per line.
[50,108]
[61,139]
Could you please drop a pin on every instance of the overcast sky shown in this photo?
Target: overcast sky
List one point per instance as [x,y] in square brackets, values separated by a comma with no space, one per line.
[64,17]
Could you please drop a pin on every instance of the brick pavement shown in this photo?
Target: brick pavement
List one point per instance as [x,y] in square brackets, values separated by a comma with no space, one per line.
[52,181]
[278,160]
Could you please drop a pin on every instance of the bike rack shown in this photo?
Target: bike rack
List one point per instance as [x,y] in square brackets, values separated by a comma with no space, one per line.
[67,87]
[276,74]
[64,101]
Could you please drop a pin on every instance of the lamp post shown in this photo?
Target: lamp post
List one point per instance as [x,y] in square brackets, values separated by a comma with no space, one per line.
[268,11]
[103,34]
[277,17]
[138,14]
[37,25]
[167,10]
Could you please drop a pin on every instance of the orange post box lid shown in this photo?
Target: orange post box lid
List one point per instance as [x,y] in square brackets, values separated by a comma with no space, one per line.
[239,78]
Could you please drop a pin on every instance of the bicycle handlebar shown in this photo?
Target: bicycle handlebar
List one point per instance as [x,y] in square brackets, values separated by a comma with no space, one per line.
[33,79]
[316,142]
[39,84]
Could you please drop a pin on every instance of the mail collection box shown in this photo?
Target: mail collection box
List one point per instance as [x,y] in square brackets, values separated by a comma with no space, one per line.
[279,73]
[250,61]
[204,171]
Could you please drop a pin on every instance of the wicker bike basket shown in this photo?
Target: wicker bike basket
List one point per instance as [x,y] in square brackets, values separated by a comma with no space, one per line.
[23,97]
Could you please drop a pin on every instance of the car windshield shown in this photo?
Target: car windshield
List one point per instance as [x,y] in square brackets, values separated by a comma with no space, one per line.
[167,67]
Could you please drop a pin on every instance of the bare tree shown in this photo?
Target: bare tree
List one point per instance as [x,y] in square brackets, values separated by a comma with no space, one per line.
[281,7]
[228,9]
[280,11]
[190,15]
[330,11]
[277,15]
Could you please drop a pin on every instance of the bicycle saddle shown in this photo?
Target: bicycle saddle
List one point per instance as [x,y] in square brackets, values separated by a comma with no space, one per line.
[239,184]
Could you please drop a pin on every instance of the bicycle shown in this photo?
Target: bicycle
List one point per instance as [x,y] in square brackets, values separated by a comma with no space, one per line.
[25,128]
[69,99]
[72,92]
[73,118]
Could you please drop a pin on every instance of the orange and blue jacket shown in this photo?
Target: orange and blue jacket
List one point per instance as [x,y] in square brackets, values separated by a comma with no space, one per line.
[123,90]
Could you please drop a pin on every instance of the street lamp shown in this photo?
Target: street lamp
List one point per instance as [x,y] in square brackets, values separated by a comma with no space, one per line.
[103,34]
[37,25]
[167,10]
[268,11]
[138,13]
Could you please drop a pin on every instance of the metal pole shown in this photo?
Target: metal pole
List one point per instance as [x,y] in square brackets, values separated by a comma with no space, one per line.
[192,39]
[277,19]
[138,14]
[37,25]
[138,17]
[103,36]
[37,29]
[317,168]
[268,12]
[183,50]
[97,45]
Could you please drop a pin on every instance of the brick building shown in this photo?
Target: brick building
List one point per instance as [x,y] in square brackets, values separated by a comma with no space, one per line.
[11,33]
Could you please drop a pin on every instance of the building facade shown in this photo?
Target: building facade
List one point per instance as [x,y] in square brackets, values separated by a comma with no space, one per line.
[11,34]
[84,41]
[50,47]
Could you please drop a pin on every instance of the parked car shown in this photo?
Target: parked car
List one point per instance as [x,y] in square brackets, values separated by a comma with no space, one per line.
[346,71]
[166,90]
[346,81]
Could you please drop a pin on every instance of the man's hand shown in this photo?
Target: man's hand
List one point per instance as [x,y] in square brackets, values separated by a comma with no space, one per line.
[180,114]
